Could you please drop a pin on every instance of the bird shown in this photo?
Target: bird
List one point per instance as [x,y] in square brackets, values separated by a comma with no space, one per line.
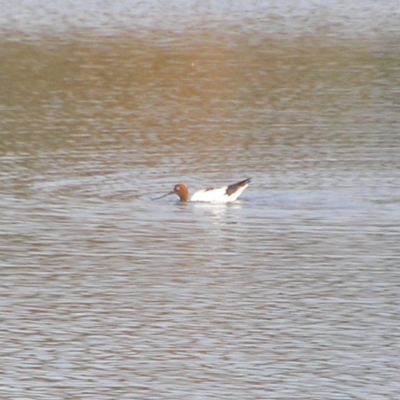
[225,194]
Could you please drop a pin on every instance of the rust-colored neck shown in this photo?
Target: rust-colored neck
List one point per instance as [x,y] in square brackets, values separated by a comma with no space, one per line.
[182,191]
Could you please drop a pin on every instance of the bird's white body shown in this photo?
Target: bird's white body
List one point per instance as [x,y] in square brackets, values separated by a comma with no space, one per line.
[225,194]
[218,195]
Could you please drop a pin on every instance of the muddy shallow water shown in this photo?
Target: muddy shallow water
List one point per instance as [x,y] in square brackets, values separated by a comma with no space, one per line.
[290,292]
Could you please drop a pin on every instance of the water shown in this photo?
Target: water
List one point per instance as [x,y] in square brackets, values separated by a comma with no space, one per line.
[290,292]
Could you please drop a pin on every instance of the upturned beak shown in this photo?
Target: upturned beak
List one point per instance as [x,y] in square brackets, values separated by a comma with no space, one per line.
[164,195]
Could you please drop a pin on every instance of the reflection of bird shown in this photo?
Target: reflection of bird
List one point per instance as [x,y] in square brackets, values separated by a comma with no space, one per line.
[224,194]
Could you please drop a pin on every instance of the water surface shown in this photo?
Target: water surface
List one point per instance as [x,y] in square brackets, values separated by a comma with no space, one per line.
[291,292]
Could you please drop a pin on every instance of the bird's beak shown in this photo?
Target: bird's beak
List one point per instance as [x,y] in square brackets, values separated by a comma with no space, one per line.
[164,195]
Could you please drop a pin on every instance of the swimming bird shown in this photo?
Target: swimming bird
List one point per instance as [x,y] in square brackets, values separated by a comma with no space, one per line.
[225,194]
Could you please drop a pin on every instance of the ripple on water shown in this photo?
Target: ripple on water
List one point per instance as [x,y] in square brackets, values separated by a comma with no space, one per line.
[290,292]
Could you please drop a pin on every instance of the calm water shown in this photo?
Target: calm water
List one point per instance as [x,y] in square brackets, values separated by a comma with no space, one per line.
[292,292]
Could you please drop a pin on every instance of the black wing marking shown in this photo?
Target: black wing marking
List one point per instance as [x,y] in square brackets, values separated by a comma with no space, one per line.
[235,186]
